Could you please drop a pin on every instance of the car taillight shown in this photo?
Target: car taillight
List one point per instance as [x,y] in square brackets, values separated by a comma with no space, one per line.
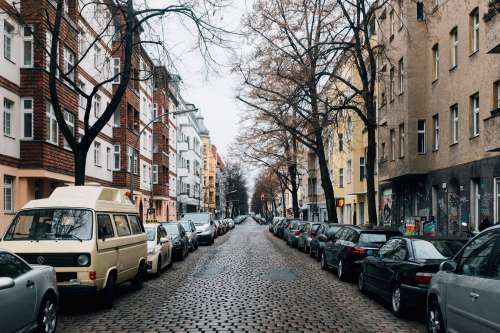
[359,250]
[92,275]
[423,278]
[296,233]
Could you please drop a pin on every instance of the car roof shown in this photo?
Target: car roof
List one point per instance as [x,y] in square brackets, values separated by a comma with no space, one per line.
[363,228]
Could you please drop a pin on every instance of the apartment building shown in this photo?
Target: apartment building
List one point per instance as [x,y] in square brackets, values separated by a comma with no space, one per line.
[34,157]
[438,103]
[206,155]
[220,188]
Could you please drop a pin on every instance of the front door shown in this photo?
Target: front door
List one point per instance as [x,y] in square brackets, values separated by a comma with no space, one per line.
[107,246]
[467,302]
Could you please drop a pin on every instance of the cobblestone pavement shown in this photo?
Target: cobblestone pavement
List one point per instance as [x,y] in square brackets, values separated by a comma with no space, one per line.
[249,281]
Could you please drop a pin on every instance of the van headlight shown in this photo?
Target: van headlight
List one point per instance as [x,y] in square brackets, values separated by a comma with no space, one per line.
[83,260]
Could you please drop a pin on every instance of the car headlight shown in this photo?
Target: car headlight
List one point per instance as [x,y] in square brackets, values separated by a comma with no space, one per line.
[83,260]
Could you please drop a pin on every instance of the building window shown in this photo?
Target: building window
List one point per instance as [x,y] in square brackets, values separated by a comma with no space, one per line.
[454,123]
[401,76]
[383,152]
[454,48]
[27,120]
[116,70]
[155,111]
[69,118]
[155,174]
[116,157]
[402,140]
[392,84]
[393,144]
[48,48]
[69,62]
[8,30]
[8,106]
[474,106]
[436,132]
[474,30]
[435,64]
[28,46]
[52,126]
[8,194]
[97,153]
[97,57]
[341,142]
[83,100]
[82,45]
[349,172]
[97,105]
[133,161]
[116,117]
[496,93]
[362,168]
[391,19]
[108,158]
[497,200]
[421,136]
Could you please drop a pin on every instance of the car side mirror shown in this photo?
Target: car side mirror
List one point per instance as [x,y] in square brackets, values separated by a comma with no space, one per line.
[448,266]
[6,283]
[163,240]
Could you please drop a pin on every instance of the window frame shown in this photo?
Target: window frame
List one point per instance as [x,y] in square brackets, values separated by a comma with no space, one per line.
[116,153]
[8,31]
[71,124]
[392,138]
[435,63]
[454,48]
[362,168]
[24,112]
[51,120]
[402,140]
[8,107]
[474,31]
[69,62]
[108,158]
[454,124]
[421,134]
[8,185]
[28,39]
[96,105]
[97,154]
[475,115]
[401,70]
[436,130]
[154,173]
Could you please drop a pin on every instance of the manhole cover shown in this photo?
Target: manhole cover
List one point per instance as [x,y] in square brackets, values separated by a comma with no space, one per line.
[281,275]
[209,272]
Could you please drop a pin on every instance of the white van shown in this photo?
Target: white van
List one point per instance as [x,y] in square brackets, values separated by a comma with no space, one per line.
[91,235]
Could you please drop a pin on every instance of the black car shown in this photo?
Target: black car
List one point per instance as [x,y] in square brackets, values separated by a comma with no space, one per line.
[325,231]
[190,229]
[403,268]
[280,228]
[179,238]
[351,244]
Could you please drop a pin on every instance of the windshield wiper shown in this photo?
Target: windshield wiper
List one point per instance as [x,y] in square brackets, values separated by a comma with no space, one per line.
[69,235]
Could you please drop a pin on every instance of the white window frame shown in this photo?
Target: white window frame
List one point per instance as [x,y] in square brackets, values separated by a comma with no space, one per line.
[52,121]
[362,166]
[475,116]
[117,117]
[454,48]
[391,19]
[48,36]
[496,201]
[116,157]
[475,30]
[341,177]
[421,132]
[28,40]
[392,83]
[97,57]
[402,140]
[154,173]
[401,76]
[435,55]
[8,186]
[97,105]
[82,42]
[497,105]
[8,106]
[8,30]
[97,153]
[26,111]
[116,70]
[70,120]
[349,172]
[454,123]
[69,62]
[437,131]
[108,158]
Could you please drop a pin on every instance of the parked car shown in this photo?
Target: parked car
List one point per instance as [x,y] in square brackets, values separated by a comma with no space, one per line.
[464,296]
[230,223]
[240,219]
[28,295]
[179,239]
[272,226]
[308,233]
[351,244]
[292,233]
[205,226]
[402,270]
[325,231]
[86,233]
[159,248]
[281,228]
[190,229]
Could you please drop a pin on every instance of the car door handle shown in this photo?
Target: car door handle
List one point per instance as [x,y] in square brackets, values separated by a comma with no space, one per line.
[30,284]
[474,295]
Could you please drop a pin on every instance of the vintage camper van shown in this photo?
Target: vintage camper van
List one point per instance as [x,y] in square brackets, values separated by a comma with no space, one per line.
[91,235]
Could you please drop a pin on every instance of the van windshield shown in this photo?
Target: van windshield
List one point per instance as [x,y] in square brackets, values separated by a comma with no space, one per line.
[51,224]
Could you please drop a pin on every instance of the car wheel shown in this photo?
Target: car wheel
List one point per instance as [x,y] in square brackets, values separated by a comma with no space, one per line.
[341,273]
[158,267]
[324,265]
[361,283]
[397,301]
[108,293]
[311,253]
[435,323]
[47,315]
[138,280]
[318,254]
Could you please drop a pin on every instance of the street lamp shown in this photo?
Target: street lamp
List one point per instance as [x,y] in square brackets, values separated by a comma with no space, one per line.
[175,113]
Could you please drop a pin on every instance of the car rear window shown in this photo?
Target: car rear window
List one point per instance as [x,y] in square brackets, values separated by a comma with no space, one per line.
[448,247]
[372,237]
[425,250]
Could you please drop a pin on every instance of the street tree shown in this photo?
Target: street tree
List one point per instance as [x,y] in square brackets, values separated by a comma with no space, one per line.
[125,28]
[236,187]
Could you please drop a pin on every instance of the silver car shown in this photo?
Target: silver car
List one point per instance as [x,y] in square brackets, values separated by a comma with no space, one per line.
[28,295]
[464,295]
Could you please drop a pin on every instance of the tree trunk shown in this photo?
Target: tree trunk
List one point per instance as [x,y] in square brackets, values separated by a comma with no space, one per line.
[80,159]
[284,203]
[370,175]
[292,173]
[326,182]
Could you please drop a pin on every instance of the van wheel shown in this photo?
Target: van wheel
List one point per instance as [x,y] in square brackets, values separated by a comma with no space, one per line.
[158,267]
[47,315]
[108,293]
[138,280]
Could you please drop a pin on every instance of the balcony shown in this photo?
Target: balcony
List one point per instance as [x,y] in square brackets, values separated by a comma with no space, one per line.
[492,128]
[182,146]
[182,172]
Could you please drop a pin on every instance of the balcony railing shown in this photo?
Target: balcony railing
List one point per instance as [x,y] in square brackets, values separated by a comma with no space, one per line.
[492,128]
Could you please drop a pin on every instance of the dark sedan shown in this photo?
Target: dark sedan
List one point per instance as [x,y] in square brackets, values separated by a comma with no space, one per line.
[292,232]
[308,233]
[179,238]
[191,233]
[403,268]
[280,228]
[325,232]
[351,244]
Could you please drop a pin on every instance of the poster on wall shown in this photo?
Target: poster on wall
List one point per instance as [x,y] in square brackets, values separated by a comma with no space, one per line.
[429,227]
[387,207]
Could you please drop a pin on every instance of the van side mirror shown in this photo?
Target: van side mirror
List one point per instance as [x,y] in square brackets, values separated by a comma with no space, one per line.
[6,283]
[448,266]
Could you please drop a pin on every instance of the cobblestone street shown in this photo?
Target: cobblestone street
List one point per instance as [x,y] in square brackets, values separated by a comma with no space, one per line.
[249,281]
